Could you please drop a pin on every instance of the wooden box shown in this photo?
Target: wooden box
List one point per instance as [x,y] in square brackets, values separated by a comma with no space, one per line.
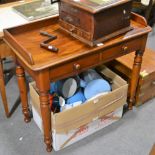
[146,84]
[94,21]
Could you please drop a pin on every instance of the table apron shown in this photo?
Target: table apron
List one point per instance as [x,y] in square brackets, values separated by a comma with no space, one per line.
[69,68]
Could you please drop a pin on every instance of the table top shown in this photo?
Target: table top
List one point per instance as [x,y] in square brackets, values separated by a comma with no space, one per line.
[25,41]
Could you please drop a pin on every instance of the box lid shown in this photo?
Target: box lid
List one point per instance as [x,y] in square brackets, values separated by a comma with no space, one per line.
[94,6]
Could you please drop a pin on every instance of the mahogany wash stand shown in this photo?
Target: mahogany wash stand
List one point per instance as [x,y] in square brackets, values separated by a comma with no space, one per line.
[6,52]
[73,57]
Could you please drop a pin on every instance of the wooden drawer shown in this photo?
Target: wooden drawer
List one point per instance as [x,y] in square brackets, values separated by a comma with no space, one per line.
[123,48]
[73,67]
[75,30]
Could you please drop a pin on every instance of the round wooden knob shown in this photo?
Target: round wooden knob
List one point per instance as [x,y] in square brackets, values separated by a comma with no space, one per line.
[76,66]
[125,48]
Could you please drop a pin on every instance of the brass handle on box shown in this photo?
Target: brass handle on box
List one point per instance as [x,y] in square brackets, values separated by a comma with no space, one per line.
[125,48]
[77,66]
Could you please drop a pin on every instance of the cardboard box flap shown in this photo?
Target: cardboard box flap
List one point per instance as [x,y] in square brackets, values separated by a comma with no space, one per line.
[89,111]
[115,78]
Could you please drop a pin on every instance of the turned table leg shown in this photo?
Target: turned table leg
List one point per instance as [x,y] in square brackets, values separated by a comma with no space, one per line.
[43,84]
[46,117]
[135,77]
[2,90]
[23,93]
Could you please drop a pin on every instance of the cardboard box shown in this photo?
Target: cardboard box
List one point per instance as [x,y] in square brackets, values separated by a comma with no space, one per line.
[76,123]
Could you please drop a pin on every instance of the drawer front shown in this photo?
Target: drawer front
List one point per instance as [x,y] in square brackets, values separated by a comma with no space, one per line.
[75,30]
[121,49]
[73,67]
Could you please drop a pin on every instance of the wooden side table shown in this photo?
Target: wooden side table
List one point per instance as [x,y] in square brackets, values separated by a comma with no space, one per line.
[73,57]
[5,51]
